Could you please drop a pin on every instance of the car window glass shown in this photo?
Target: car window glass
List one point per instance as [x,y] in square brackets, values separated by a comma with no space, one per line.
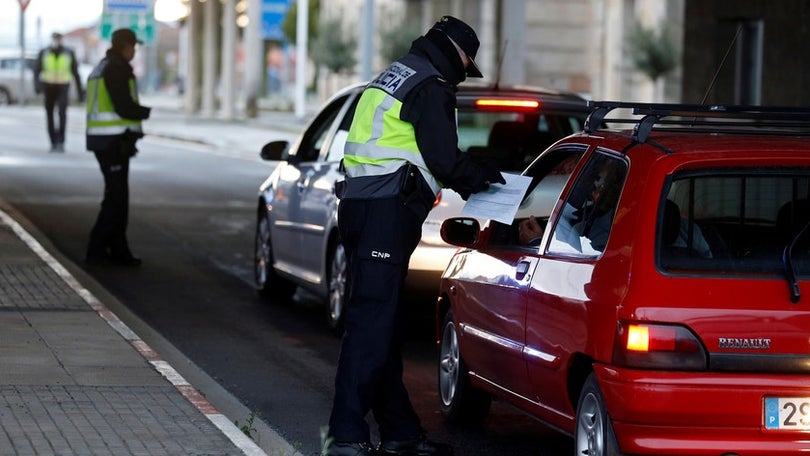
[549,173]
[735,221]
[511,140]
[584,225]
[313,139]
[336,147]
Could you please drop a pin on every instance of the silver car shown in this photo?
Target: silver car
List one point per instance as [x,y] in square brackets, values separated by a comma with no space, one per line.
[297,241]
[10,77]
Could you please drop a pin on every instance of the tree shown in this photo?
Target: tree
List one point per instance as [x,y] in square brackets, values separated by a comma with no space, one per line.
[333,48]
[653,54]
[290,24]
[397,41]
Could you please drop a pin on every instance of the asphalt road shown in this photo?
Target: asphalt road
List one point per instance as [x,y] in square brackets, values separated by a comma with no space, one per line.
[192,220]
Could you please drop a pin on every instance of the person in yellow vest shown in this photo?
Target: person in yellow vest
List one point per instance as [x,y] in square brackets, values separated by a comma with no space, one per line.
[401,150]
[113,127]
[53,70]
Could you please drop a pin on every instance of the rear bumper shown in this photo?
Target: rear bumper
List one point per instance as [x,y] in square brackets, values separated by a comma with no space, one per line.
[677,413]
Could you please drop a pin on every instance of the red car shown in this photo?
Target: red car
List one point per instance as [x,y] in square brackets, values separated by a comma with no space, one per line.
[665,309]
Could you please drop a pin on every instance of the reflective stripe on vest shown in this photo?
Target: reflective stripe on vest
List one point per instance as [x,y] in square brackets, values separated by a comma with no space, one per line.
[379,142]
[102,120]
[56,68]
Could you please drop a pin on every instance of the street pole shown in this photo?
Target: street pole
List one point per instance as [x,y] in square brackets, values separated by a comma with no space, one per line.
[367,54]
[23,5]
[302,31]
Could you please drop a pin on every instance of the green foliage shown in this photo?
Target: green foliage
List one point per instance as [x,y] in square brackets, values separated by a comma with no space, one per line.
[653,54]
[397,41]
[290,24]
[333,48]
[325,440]
[247,428]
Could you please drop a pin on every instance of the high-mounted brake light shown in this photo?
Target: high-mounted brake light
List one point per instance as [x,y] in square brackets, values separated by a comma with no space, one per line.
[507,104]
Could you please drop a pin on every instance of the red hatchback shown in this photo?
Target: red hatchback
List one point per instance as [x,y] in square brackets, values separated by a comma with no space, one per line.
[660,310]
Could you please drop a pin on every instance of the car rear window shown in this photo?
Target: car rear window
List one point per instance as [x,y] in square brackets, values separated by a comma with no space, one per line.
[736,222]
[512,140]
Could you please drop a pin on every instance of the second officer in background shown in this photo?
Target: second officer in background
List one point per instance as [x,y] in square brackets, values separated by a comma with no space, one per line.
[113,126]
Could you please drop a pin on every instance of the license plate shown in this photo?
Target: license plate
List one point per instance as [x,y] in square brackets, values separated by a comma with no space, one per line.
[787,413]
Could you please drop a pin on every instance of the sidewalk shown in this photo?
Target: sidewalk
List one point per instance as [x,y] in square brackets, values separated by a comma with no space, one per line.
[75,379]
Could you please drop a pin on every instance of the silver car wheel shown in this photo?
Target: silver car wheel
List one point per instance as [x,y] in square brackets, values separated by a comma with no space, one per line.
[262,252]
[591,421]
[448,364]
[337,287]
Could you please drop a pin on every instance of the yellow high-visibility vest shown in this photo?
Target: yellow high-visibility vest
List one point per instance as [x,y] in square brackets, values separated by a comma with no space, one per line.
[379,142]
[56,67]
[102,120]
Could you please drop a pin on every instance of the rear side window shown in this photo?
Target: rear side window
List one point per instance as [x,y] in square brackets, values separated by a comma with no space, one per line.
[736,221]
[584,226]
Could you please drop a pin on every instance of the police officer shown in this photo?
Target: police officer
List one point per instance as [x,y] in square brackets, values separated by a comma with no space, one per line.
[402,148]
[54,68]
[113,126]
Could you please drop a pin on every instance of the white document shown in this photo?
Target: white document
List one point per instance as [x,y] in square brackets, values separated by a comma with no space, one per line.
[500,201]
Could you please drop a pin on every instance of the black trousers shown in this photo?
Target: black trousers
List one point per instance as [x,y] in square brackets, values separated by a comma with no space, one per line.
[109,234]
[56,95]
[379,237]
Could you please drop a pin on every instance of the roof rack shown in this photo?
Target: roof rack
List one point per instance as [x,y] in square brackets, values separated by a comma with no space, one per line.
[739,119]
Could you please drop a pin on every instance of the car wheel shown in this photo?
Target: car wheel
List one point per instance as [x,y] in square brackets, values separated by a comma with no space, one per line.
[594,434]
[268,283]
[5,97]
[338,286]
[460,402]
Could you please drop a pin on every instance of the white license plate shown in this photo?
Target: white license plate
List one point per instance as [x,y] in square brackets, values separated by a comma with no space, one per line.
[787,413]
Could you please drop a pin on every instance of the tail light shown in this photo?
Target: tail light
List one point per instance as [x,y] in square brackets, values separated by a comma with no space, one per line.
[438,199]
[658,346]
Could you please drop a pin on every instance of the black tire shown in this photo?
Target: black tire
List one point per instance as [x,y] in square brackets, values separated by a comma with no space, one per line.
[268,282]
[460,402]
[338,287]
[594,433]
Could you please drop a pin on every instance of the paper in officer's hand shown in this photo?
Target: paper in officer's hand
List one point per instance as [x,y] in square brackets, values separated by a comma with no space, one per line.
[500,201]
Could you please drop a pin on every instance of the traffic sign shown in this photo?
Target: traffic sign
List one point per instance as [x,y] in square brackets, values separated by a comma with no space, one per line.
[273,13]
[143,24]
[24,4]
[128,6]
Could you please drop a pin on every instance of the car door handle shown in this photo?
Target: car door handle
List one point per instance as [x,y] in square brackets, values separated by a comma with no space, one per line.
[521,269]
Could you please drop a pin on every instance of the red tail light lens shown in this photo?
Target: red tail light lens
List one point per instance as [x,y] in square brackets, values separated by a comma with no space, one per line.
[438,199]
[657,346]
[502,104]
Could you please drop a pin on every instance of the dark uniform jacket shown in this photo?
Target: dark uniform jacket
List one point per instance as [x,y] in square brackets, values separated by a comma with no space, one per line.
[117,73]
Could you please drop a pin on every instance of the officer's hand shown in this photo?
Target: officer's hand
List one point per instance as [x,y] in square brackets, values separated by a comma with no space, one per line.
[493,176]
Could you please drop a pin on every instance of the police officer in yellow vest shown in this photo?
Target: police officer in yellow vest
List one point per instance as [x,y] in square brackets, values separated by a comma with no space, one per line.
[113,126]
[54,68]
[402,148]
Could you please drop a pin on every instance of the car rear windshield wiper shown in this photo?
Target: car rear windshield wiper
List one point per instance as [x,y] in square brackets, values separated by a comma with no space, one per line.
[790,269]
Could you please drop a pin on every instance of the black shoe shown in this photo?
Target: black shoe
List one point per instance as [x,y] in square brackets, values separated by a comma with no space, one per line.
[125,260]
[350,449]
[419,446]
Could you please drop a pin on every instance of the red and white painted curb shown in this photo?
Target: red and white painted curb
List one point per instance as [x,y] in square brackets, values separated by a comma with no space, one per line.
[242,441]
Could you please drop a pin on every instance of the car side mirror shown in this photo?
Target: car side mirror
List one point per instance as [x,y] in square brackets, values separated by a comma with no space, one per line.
[461,231]
[275,150]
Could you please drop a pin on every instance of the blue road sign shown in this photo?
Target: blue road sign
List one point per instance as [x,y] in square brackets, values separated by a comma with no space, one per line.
[273,13]
[128,6]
